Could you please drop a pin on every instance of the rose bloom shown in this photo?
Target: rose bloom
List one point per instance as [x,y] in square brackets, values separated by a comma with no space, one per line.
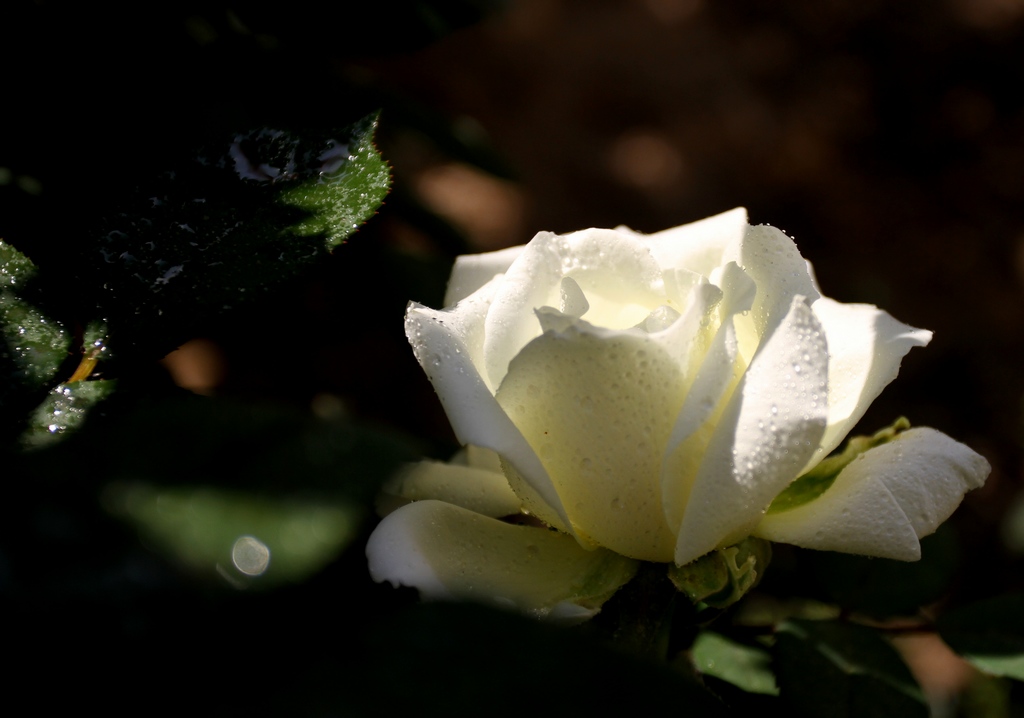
[647,398]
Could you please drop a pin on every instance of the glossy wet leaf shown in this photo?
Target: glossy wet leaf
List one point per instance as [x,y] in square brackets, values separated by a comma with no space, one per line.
[64,410]
[239,218]
[989,634]
[840,670]
[34,345]
[743,666]
[245,538]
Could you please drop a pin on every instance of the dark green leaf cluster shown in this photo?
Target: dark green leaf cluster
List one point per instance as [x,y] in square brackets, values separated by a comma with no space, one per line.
[241,218]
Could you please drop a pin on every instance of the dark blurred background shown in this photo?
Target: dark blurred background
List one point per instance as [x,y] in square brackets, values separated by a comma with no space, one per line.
[886,138]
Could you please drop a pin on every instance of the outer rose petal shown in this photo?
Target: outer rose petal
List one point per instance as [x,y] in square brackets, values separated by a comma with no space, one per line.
[445,343]
[479,490]
[865,347]
[886,499]
[765,436]
[449,552]
[472,271]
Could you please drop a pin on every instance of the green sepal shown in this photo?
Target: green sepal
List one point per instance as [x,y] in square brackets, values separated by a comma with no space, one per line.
[722,577]
[817,481]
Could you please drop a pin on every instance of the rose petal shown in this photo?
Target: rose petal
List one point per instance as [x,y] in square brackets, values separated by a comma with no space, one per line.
[700,246]
[616,273]
[448,552]
[886,499]
[478,457]
[765,436]
[472,271]
[574,301]
[531,282]
[780,273]
[865,346]
[694,426]
[690,334]
[479,490]
[445,343]
[597,406]
[714,373]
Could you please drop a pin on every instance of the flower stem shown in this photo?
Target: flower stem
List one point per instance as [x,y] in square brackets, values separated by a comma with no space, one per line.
[638,618]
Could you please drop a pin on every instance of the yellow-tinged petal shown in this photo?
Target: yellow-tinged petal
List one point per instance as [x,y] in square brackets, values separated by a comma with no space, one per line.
[764,437]
[616,273]
[597,407]
[448,552]
[481,490]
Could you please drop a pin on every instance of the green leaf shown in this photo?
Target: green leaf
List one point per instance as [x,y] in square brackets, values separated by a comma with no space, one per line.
[989,634]
[743,666]
[245,538]
[34,346]
[64,410]
[815,482]
[240,218]
[840,670]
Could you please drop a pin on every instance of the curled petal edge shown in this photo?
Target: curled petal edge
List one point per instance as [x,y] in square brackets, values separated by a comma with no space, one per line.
[474,413]
[886,499]
[866,347]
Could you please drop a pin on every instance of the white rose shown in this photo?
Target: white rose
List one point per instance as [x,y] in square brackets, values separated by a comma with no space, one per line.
[649,397]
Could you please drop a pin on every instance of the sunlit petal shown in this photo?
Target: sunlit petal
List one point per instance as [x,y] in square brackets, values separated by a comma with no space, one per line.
[700,246]
[448,552]
[766,434]
[865,346]
[772,260]
[597,406]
